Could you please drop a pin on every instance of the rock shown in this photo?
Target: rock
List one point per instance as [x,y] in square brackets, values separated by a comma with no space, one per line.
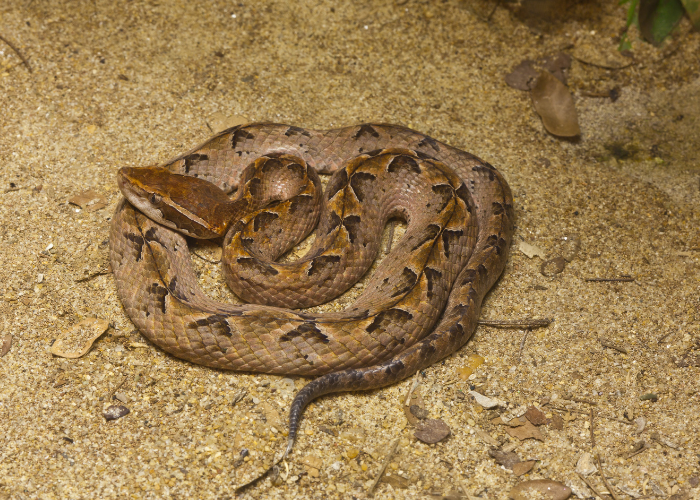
[547,488]
[432,431]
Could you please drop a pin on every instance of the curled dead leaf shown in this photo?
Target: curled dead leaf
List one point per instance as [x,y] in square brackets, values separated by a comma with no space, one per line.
[547,488]
[76,341]
[89,200]
[6,344]
[555,105]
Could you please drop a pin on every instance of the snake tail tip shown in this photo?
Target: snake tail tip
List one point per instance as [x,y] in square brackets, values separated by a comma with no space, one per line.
[290,445]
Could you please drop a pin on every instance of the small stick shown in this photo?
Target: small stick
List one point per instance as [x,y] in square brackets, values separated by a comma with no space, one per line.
[592,435]
[625,279]
[590,485]
[518,323]
[522,343]
[613,68]
[204,258]
[610,345]
[384,465]
[573,410]
[111,394]
[488,19]
[580,400]
[602,474]
[24,60]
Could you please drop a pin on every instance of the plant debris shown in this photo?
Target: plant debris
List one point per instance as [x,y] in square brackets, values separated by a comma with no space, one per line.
[76,342]
[555,105]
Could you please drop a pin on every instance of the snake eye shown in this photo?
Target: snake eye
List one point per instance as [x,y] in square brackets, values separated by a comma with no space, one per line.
[155,199]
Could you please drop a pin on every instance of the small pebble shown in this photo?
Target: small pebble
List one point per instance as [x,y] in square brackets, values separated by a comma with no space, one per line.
[115,411]
[432,431]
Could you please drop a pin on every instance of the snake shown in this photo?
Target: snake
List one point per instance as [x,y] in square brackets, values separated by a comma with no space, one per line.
[256,187]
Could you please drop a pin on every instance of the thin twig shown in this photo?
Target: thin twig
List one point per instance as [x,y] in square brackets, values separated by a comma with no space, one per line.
[610,345]
[624,279]
[416,383]
[93,275]
[522,343]
[111,394]
[580,400]
[488,19]
[24,60]
[602,474]
[205,259]
[574,410]
[518,323]
[590,485]
[602,66]
[592,435]
[392,450]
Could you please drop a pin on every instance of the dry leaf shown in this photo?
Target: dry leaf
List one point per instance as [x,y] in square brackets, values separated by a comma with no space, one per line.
[523,76]
[531,250]
[525,431]
[76,341]
[89,200]
[415,400]
[523,467]
[553,490]
[272,416]
[485,401]
[553,102]
[396,481]
[6,344]
[557,423]
[505,458]
[219,121]
[535,416]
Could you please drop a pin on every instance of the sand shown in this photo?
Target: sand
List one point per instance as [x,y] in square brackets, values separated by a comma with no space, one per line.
[134,83]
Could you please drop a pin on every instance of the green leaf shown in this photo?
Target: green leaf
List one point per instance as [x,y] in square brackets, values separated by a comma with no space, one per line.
[632,13]
[657,18]
[692,7]
[625,43]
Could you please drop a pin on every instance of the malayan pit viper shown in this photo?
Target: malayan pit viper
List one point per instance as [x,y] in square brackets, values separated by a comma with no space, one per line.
[421,304]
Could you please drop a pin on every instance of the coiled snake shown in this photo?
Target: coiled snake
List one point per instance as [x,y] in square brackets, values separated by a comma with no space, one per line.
[420,306]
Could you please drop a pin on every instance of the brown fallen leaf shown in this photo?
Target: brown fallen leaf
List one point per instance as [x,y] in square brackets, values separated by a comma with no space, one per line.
[555,105]
[75,342]
[525,431]
[556,422]
[523,76]
[416,400]
[60,381]
[396,481]
[535,416]
[89,200]
[553,490]
[6,344]
[523,467]
[272,416]
[219,121]
[432,431]
[513,422]
[507,459]
[557,64]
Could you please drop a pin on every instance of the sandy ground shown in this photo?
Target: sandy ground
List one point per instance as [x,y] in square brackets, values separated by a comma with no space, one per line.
[134,83]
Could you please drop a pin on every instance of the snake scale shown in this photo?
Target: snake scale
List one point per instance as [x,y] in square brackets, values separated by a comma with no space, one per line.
[420,305]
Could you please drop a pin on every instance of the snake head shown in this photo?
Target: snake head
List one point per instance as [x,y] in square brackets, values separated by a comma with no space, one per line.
[189,205]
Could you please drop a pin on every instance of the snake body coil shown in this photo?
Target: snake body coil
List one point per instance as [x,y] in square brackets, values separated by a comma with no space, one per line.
[420,306]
